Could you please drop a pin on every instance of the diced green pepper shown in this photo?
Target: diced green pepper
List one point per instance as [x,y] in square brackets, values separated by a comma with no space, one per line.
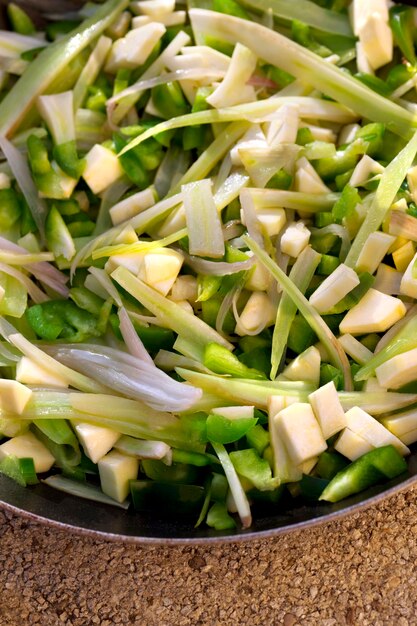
[10,209]
[329,464]
[257,470]
[21,471]
[401,21]
[221,361]
[221,429]
[166,498]
[312,487]
[258,438]
[369,469]
[218,517]
[170,100]
[20,21]
[67,158]
[175,473]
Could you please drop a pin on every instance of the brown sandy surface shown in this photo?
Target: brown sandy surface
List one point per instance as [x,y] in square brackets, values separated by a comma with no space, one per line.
[359,571]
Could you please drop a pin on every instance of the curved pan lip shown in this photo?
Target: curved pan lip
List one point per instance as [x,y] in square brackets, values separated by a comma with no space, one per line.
[242,536]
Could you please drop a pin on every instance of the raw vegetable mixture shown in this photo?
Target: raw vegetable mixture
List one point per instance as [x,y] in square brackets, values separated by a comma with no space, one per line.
[208,267]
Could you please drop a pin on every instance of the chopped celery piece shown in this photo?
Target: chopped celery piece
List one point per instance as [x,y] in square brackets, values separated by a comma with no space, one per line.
[82,490]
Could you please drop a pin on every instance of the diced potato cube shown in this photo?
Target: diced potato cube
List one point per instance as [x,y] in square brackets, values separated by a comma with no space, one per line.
[351,445]
[95,440]
[29,373]
[306,366]
[408,285]
[375,313]
[373,251]
[335,287]
[27,446]
[102,168]
[295,239]
[132,51]
[398,371]
[367,427]
[116,471]
[364,170]
[271,220]
[403,256]
[300,432]
[258,313]
[328,409]
[376,38]
[14,396]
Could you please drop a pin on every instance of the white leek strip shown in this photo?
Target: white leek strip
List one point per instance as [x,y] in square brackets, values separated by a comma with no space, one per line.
[52,62]
[389,184]
[139,246]
[376,402]
[301,274]
[132,205]
[13,44]
[142,449]
[403,225]
[109,198]
[23,176]
[355,349]
[181,40]
[196,74]
[217,268]
[228,301]
[168,361]
[203,222]
[212,155]
[104,280]
[307,202]
[140,223]
[233,88]
[46,362]
[259,111]
[306,11]
[135,378]
[131,338]
[82,490]
[323,332]
[392,332]
[57,110]
[169,313]
[236,488]
[91,70]
[25,258]
[33,290]
[245,391]
[305,65]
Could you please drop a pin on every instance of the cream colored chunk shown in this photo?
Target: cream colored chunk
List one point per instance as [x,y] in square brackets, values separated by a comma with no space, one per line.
[335,287]
[401,423]
[375,35]
[131,51]
[133,205]
[408,286]
[29,373]
[116,471]
[258,313]
[351,445]
[328,409]
[365,169]
[295,239]
[14,396]
[398,371]
[95,440]
[306,366]
[27,446]
[373,251]
[272,220]
[376,312]
[367,427]
[234,412]
[102,168]
[283,467]
[300,432]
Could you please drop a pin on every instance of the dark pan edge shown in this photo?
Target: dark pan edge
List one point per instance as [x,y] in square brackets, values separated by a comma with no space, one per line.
[242,536]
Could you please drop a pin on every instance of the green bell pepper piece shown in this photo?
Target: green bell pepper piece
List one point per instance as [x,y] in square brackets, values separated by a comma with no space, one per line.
[222,429]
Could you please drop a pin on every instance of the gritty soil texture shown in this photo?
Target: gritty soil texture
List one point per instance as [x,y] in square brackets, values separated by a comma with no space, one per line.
[354,572]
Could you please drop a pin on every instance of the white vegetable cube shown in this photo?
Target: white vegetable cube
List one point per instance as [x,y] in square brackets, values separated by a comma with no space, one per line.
[272,220]
[401,423]
[27,446]
[253,138]
[116,471]
[300,432]
[14,396]
[373,251]
[307,180]
[408,286]
[160,268]
[259,278]
[307,466]
[30,373]
[132,261]
[362,62]
[403,256]
[361,9]
[328,409]
[102,168]
[376,312]
[132,51]
[375,35]
[295,239]
[155,8]
[306,366]
[352,445]
[185,288]
[367,427]
[127,235]
[258,313]
[388,280]
[348,134]
[283,467]
[398,371]
[335,287]
[365,169]
[275,405]
[95,440]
